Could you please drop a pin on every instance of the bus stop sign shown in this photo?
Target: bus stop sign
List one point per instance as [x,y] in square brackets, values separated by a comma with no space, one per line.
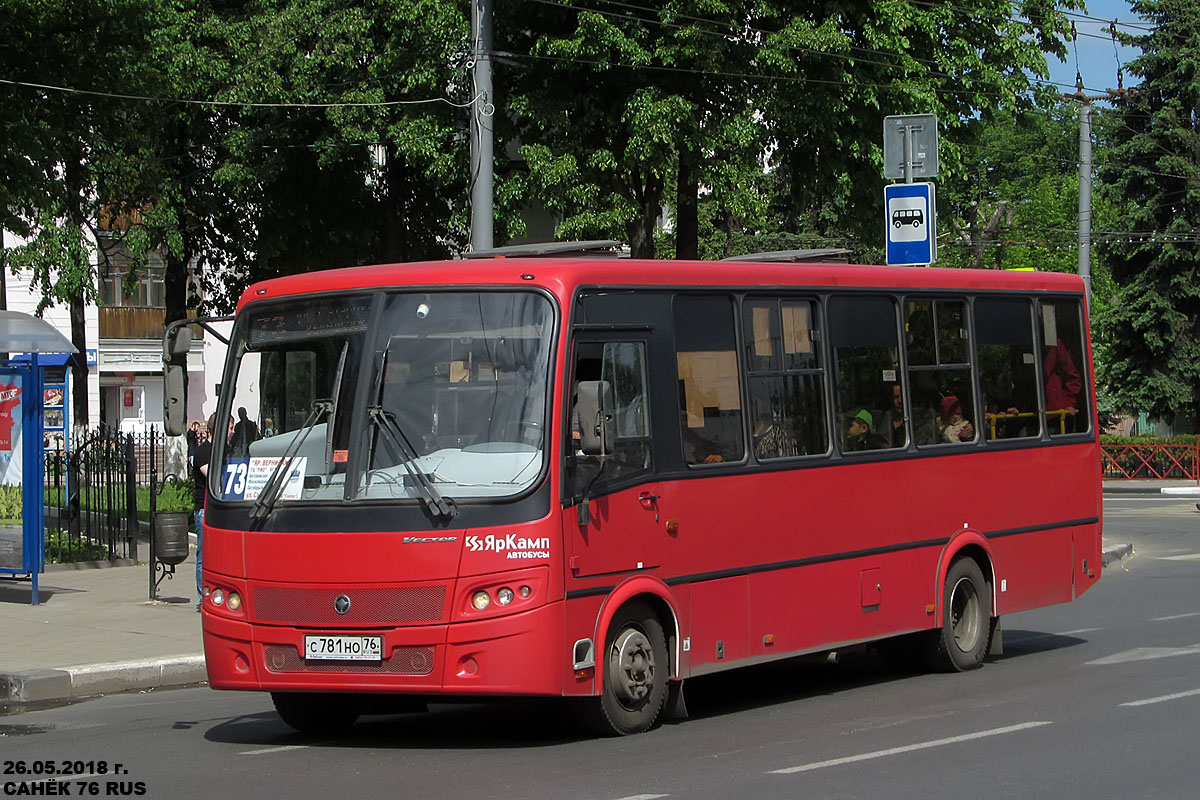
[910,218]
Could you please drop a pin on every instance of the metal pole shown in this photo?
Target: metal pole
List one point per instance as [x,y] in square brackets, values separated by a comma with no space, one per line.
[153,508]
[908,161]
[481,126]
[1085,197]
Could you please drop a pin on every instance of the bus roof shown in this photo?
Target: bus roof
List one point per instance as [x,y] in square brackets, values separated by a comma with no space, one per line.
[561,275]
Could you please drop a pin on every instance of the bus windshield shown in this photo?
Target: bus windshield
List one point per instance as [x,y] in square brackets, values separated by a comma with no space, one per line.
[392,396]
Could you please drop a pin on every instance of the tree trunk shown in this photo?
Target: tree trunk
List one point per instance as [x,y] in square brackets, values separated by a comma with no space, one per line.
[687,208]
[175,280]
[395,236]
[73,172]
[3,273]
[641,230]
[79,369]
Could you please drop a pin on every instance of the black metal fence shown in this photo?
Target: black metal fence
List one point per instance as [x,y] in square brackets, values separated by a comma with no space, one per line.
[91,495]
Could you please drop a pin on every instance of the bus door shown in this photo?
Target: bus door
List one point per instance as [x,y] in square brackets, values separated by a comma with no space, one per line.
[621,529]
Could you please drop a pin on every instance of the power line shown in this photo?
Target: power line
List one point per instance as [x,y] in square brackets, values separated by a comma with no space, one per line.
[231,103]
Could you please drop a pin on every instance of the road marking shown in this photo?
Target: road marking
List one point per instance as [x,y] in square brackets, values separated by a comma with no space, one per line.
[1151,700]
[1078,631]
[1188,557]
[892,751]
[643,797]
[1147,654]
[279,749]
[1176,616]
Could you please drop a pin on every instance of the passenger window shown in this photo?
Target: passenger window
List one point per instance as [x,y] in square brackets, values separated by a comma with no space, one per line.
[939,371]
[866,370]
[710,395]
[623,365]
[787,396]
[1007,368]
[1064,368]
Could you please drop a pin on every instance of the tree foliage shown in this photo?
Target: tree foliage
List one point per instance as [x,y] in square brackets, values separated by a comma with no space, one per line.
[1151,172]
[705,96]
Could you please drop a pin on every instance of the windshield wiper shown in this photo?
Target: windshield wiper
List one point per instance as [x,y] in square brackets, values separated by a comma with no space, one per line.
[386,422]
[273,488]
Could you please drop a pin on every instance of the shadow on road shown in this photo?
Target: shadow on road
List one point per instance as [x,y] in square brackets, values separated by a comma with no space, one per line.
[503,724]
[1022,643]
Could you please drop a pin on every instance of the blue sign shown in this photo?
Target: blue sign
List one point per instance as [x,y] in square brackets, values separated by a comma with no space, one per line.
[93,356]
[910,218]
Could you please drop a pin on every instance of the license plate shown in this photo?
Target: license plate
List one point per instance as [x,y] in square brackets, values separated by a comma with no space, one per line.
[343,648]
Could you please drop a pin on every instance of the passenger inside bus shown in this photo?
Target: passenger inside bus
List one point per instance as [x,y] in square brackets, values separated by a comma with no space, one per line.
[1063,386]
[953,427]
[860,436]
[772,439]
[891,426]
[699,450]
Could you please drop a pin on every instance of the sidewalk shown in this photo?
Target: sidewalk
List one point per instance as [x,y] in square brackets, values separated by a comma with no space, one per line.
[95,632]
[1185,488]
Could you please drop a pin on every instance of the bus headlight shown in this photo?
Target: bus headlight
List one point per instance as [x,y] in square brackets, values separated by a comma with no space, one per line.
[234,602]
[218,597]
[481,600]
[504,596]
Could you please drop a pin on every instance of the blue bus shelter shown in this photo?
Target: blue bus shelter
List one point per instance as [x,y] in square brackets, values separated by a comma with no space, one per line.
[32,344]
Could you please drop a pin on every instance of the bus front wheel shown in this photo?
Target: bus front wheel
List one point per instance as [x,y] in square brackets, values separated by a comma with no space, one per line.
[315,713]
[962,641]
[634,680]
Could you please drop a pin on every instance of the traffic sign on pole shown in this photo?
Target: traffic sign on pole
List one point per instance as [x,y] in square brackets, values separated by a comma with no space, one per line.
[910,215]
[910,146]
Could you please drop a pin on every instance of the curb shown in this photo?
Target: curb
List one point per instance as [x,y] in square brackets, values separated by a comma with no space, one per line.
[1175,490]
[1118,553]
[88,680]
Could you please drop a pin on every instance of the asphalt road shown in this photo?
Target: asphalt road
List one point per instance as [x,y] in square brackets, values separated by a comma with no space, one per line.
[1097,698]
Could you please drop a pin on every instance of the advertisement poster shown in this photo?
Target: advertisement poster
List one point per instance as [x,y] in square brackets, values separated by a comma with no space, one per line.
[11,537]
[10,430]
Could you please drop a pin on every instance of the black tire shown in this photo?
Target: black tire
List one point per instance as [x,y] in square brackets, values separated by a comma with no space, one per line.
[962,641]
[633,671]
[316,713]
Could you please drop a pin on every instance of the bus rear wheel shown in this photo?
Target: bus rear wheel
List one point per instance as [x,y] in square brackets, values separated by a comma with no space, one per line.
[315,713]
[634,679]
[962,641]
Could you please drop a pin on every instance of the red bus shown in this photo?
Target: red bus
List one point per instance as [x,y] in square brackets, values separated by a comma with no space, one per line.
[594,478]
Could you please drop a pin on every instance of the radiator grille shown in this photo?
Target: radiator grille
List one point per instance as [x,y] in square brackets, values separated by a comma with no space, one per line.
[403,661]
[386,606]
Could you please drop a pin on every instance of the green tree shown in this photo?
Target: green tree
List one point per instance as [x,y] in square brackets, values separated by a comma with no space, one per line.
[843,68]
[58,148]
[614,106]
[714,94]
[1015,204]
[1151,172]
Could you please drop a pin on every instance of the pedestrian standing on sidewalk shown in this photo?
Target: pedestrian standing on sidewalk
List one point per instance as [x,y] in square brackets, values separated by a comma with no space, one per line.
[200,481]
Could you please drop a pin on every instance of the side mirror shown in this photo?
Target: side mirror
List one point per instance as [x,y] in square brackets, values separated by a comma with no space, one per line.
[595,406]
[177,341]
[174,404]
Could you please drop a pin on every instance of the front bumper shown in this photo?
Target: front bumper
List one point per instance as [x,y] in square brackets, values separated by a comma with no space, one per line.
[518,654]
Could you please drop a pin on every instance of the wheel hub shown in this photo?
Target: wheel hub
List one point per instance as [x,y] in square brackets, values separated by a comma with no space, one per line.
[631,668]
[964,615]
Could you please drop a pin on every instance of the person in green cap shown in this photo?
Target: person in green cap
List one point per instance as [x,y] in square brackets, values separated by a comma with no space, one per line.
[860,436]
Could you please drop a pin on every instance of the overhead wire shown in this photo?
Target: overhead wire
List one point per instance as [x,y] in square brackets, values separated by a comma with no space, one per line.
[234,103]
